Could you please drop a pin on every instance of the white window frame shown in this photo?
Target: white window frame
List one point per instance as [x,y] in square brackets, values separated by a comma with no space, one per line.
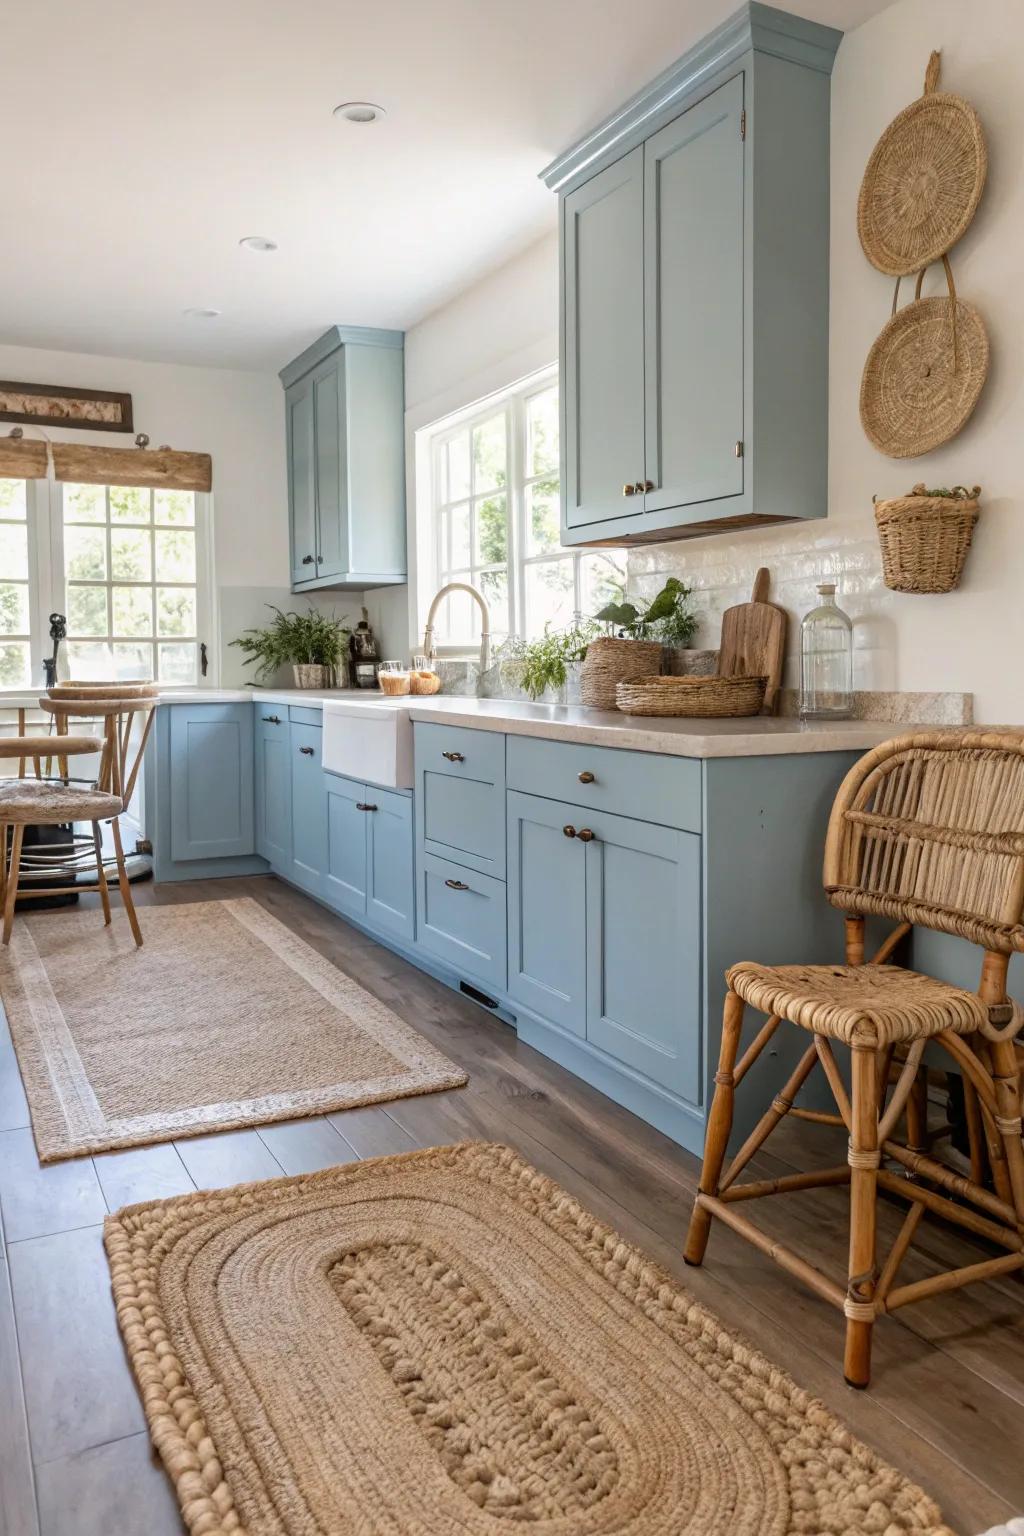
[514,402]
[44,505]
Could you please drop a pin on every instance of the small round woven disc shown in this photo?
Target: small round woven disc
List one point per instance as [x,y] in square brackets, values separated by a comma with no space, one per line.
[911,400]
[922,184]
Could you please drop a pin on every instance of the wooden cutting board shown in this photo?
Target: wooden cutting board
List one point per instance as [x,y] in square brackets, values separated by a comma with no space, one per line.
[754,640]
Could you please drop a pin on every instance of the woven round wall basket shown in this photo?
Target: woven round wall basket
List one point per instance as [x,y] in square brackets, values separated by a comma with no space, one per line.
[923,181]
[925,539]
[704,698]
[924,373]
[611,660]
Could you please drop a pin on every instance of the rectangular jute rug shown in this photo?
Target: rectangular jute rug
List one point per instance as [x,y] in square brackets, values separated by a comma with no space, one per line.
[224,1018]
[445,1343]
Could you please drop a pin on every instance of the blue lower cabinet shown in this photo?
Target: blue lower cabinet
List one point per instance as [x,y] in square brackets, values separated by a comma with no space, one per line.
[643,950]
[273,788]
[460,795]
[390,885]
[309,808]
[547,910]
[345,884]
[211,781]
[461,919]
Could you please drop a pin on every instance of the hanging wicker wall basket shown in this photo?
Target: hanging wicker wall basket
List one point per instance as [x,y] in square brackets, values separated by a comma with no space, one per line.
[925,538]
[923,181]
[924,373]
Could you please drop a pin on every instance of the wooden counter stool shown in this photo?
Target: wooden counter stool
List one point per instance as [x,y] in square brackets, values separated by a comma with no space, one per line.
[40,801]
[927,830]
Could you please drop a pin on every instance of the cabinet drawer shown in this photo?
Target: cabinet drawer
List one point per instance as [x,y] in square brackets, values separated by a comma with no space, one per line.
[461,919]
[460,783]
[303,715]
[645,785]
[309,808]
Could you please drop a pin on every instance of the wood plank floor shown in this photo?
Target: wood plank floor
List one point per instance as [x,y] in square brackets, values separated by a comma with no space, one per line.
[945,1405]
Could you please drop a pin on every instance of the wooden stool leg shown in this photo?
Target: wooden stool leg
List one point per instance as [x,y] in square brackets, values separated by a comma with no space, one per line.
[125,884]
[863,1159]
[719,1127]
[1006,1077]
[101,874]
[3,864]
[11,894]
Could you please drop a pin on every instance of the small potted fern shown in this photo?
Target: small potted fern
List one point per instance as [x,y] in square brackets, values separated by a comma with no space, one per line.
[635,650]
[312,643]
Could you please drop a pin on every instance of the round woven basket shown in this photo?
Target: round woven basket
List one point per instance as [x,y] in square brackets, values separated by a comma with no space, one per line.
[924,373]
[925,539]
[698,697]
[609,661]
[923,181]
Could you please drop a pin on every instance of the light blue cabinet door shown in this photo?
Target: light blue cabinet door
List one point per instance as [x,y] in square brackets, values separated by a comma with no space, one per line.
[460,795]
[332,552]
[603,344]
[211,781]
[390,883]
[547,910]
[693,257]
[301,447]
[375,453]
[309,808]
[345,884]
[273,787]
[461,919]
[643,950]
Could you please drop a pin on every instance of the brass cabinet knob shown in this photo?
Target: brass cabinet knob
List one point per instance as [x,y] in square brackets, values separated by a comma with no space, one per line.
[457,885]
[569,831]
[629,490]
[307,559]
[586,777]
[585,835]
[648,485]
[639,488]
[306,751]
[453,757]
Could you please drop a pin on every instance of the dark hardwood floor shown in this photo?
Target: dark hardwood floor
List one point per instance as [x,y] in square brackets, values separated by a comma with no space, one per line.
[946,1405]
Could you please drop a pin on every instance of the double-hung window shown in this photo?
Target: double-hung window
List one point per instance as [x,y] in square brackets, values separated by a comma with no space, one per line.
[495,521]
[129,567]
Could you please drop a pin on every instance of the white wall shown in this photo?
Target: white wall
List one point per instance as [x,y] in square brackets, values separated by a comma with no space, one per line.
[971,639]
[497,332]
[238,418]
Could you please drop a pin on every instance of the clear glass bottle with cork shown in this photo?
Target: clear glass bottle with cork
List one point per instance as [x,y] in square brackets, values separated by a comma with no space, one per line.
[826,660]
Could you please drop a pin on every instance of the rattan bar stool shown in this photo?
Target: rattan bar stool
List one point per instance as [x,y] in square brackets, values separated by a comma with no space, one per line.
[927,830]
[126,713]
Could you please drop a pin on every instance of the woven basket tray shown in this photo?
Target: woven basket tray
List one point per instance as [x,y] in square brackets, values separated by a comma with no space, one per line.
[925,540]
[698,697]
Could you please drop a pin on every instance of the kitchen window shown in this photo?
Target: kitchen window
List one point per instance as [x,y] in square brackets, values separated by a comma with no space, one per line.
[495,519]
[128,566]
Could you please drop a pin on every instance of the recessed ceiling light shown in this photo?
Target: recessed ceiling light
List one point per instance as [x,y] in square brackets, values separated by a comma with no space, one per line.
[201,314]
[360,111]
[257,243]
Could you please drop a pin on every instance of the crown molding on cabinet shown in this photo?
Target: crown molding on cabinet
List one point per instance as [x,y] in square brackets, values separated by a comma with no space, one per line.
[761,28]
[331,340]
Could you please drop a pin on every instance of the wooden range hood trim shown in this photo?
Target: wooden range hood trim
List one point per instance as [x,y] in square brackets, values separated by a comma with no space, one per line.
[160,468]
[22,458]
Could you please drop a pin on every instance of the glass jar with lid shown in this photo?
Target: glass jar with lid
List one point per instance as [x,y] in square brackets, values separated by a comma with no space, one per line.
[826,660]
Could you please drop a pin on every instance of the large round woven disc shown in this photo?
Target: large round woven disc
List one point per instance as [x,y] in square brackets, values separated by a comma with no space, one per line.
[922,184]
[911,400]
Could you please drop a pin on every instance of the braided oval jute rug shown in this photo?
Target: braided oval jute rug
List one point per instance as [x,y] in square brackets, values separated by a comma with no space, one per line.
[445,1344]
[224,1018]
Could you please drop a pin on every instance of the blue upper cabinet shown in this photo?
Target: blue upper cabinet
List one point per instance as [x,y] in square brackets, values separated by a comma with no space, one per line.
[695,237]
[345,432]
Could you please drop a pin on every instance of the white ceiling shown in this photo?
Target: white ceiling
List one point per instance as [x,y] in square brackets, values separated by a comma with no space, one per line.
[143,141]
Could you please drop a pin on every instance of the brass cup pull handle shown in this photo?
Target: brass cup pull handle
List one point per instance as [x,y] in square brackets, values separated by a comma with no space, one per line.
[362,806]
[271,719]
[586,777]
[629,490]
[457,885]
[453,757]
[585,835]
[569,831]
[306,751]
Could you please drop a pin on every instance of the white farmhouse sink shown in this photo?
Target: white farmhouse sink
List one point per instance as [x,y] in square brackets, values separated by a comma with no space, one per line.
[369,739]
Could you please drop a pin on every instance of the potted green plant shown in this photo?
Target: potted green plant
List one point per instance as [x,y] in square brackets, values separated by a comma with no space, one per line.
[543,666]
[635,650]
[312,643]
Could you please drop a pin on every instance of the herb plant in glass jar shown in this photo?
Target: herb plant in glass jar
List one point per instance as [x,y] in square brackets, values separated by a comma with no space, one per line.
[826,660]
